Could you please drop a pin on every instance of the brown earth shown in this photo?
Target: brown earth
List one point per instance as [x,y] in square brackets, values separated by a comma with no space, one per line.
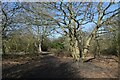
[50,66]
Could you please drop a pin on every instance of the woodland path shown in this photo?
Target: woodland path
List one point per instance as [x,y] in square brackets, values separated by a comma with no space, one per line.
[50,66]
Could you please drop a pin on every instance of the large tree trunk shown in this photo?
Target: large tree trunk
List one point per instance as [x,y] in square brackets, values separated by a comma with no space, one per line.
[79,44]
[87,44]
[74,48]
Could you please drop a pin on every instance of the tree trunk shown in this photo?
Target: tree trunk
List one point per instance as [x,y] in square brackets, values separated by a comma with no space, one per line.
[3,42]
[79,44]
[87,44]
[97,49]
[74,49]
[3,48]
[39,48]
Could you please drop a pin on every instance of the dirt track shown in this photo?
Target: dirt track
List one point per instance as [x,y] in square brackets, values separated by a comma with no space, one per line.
[48,66]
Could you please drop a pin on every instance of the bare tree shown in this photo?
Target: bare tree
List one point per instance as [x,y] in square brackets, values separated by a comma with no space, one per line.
[69,18]
[7,19]
[104,17]
[41,24]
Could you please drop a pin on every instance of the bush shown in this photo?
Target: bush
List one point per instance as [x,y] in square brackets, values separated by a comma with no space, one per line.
[57,45]
[59,48]
[109,51]
[18,43]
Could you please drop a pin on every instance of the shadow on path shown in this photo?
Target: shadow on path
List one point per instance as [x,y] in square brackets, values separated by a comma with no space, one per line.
[45,67]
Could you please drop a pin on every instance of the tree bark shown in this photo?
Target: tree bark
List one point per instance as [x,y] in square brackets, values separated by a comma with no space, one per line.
[97,48]
[39,48]
[3,48]
[87,44]
[74,48]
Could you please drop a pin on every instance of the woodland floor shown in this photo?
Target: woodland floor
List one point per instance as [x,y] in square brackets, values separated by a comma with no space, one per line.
[50,66]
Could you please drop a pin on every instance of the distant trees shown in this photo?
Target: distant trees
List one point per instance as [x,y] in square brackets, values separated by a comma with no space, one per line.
[7,20]
[41,24]
[20,42]
[22,22]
